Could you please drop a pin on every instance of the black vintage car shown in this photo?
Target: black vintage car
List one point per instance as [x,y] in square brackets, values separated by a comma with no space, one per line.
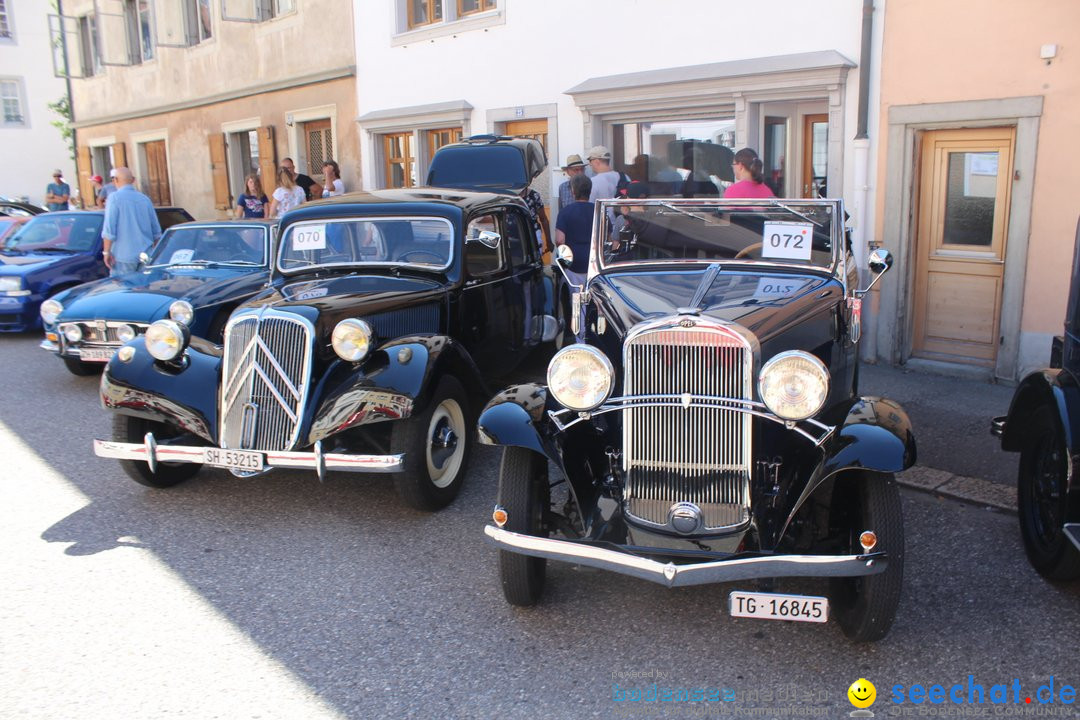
[1043,425]
[385,314]
[710,428]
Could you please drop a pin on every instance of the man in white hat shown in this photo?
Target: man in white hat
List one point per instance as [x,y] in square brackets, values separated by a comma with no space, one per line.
[605,181]
[574,166]
[107,190]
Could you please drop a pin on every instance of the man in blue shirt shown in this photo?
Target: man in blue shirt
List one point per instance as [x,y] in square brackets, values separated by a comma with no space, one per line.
[131,225]
[57,193]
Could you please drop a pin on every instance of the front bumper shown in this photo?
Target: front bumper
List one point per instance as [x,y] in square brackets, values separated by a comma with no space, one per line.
[152,453]
[19,313]
[704,573]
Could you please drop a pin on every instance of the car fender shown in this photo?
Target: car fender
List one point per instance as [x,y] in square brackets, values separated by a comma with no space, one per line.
[874,436]
[150,389]
[392,383]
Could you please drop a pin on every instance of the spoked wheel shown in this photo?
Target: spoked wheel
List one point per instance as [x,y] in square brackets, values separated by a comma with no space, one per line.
[436,446]
[130,429]
[525,495]
[1041,497]
[866,606]
[76,366]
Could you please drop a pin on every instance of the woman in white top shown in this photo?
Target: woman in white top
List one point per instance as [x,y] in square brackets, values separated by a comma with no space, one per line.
[332,185]
[287,196]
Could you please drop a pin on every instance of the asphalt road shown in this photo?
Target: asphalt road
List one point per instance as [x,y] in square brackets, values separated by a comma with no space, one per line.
[279,597]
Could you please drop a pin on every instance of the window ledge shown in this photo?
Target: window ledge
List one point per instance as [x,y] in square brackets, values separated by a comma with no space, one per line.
[476,21]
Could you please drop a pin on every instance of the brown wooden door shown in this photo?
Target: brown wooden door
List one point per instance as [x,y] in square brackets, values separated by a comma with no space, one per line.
[267,159]
[963,217]
[86,187]
[815,160]
[320,147]
[219,172]
[157,173]
[119,155]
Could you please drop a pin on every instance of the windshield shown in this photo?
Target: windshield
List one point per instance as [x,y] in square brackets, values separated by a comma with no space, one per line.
[478,166]
[211,245]
[423,242]
[778,231]
[57,233]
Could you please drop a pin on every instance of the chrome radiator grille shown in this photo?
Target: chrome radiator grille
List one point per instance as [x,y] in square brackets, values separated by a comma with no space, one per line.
[675,453]
[267,366]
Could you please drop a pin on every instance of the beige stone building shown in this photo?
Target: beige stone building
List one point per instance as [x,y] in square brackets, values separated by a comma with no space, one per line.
[193,95]
[977,179]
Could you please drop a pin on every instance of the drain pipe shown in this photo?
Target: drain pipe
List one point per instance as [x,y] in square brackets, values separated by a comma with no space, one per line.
[861,148]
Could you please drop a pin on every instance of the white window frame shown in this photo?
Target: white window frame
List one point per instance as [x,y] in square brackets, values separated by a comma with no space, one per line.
[9,18]
[236,181]
[417,120]
[20,97]
[261,10]
[451,23]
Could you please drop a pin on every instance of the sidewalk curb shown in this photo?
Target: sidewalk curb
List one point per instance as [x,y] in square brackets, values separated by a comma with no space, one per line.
[958,487]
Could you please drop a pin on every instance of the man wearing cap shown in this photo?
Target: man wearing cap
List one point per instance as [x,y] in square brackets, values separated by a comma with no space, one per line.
[574,166]
[131,225]
[605,180]
[58,192]
[107,190]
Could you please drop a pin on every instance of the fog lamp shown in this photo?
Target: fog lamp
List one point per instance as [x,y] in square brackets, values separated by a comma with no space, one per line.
[499,515]
[73,333]
[868,540]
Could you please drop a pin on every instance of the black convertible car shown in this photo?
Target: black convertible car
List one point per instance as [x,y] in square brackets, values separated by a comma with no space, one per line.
[710,429]
[368,351]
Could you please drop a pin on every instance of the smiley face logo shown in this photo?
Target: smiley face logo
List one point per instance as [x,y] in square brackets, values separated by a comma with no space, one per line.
[862,693]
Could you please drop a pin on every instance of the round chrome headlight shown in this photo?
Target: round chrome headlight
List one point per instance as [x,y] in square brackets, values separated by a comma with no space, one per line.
[182,312]
[794,385]
[125,333]
[351,339]
[580,377]
[73,333]
[50,310]
[166,339]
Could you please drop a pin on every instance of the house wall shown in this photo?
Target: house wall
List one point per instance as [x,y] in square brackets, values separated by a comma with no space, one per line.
[29,154]
[977,50]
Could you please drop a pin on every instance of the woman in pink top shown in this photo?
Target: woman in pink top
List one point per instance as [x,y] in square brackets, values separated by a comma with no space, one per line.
[748,177]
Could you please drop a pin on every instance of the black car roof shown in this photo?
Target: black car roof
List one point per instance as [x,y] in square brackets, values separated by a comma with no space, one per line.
[466,200]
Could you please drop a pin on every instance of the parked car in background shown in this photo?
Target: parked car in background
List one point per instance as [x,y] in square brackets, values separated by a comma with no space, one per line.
[17,208]
[369,352]
[196,274]
[53,252]
[11,224]
[710,428]
[1043,425]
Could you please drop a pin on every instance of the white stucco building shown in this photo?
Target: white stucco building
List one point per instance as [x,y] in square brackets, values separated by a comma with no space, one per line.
[671,81]
[30,148]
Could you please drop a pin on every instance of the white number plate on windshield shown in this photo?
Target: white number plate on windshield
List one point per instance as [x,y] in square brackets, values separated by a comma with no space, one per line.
[309,237]
[96,354]
[234,459]
[787,241]
[773,606]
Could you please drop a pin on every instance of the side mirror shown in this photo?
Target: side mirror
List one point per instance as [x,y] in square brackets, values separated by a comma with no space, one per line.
[144,258]
[564,255]
[880,261]
[487,238]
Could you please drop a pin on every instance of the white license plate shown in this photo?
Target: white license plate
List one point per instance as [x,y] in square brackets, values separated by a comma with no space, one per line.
[97,354]
[774,606]
[234,459]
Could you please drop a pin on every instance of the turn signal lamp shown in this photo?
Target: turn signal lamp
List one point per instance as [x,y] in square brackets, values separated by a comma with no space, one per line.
[868,540]
[499,515]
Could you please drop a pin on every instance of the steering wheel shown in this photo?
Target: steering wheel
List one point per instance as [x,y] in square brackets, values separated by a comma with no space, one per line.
[406,256]
[745,252]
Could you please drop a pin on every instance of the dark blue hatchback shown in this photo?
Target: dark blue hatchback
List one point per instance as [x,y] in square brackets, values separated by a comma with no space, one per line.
[196,274]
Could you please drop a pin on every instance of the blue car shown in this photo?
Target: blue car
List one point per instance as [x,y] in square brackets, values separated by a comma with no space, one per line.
[196,275]
[51,253]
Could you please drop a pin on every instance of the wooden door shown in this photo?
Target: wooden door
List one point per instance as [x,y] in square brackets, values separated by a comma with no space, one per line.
[87,194]
[219,172]
[267,159]
[320,147]
[119,155]
[815,160]
[963,216]
[157,173]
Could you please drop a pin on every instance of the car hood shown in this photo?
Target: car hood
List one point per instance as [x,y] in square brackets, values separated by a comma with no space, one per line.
[766,303]
[30,262]
[145,296]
